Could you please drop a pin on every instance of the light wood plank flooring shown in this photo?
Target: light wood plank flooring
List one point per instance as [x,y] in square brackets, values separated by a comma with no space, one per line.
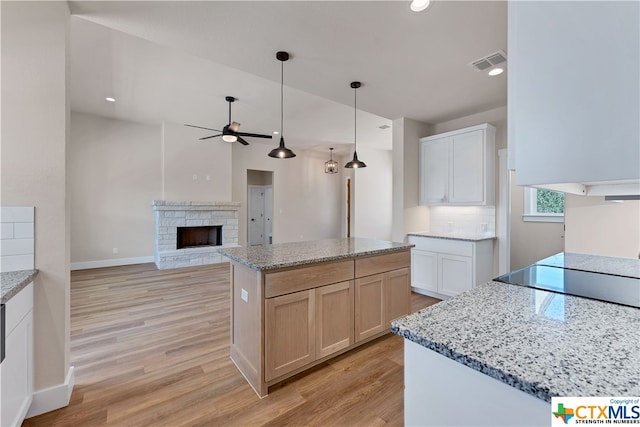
[151,348]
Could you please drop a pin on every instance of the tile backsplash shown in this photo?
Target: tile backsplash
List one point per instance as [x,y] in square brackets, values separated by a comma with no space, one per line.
[462,219]
[17,238]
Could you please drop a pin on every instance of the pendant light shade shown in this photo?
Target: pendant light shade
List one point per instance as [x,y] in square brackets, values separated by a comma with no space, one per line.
[282,152]
[331,166]
[355,163]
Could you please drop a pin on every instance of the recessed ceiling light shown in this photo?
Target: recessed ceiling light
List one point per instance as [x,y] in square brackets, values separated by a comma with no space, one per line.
[419,5]
[110,99]
[496,71]
[383,127]
[275,132]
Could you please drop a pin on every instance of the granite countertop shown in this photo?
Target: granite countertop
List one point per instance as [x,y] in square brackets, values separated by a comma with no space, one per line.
[280,255]
[469,237]
[629,267]
[543,343]
[13,282]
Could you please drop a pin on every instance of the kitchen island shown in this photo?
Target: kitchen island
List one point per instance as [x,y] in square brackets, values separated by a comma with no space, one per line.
[295,305]
[500,352]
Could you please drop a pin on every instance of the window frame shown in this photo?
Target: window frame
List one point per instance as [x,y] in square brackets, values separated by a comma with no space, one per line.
[531,213]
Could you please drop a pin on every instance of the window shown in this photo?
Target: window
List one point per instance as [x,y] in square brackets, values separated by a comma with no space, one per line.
[543,205]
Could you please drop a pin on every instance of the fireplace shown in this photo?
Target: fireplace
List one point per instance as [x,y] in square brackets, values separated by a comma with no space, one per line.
[193,237]
[190,233]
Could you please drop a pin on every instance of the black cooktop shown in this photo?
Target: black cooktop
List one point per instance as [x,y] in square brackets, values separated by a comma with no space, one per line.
[604,287]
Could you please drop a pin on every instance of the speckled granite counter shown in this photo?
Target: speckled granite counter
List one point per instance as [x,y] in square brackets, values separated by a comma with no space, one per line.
[269,257]
[469,237]
[13,282]
[543,343]
[629,267]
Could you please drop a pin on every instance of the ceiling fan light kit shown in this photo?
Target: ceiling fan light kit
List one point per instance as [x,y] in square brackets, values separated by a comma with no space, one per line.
[230,133]
[355,163]
[282,152]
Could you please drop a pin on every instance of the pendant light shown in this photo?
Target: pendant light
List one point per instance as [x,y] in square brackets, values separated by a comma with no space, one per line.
[331,166]
[355,163]
[281,152]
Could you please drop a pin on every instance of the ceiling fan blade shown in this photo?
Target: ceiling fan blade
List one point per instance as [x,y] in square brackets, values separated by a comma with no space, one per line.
[200,127]
[234,126]
[207,137]
[254,135]
[242,141]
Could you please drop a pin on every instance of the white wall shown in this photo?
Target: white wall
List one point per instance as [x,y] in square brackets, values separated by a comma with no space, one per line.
[531,241]
[184,157]
[34,127]
[117,168]
[114,175]
[306,201]
[597,227]
[373,195]
[407,213]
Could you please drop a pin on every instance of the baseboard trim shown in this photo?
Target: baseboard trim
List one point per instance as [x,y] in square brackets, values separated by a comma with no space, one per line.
[52,398]
[111,262]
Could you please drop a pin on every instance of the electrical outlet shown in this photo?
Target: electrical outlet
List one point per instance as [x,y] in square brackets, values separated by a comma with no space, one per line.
[483,227]
[244,295]
[208,177]
[115,250]
[450,225]
[195,177]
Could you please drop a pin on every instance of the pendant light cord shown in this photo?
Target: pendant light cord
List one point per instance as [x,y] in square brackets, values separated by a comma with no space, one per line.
[355,122]
[281,97]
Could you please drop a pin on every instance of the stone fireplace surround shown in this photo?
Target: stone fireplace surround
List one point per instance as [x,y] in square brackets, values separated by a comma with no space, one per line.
[169,215]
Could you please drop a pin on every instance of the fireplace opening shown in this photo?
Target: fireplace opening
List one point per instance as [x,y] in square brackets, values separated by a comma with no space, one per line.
[190,237]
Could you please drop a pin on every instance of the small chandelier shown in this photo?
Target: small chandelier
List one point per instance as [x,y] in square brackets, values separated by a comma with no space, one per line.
[331,166]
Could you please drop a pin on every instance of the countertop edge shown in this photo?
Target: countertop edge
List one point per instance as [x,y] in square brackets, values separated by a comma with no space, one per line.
[24,277]
[452,237]
[477,365]
[315,260]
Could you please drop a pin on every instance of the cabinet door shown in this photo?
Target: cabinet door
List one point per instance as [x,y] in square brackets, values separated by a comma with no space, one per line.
[290,332]
[424,270]
[334,318]
[467,168]
[16,382]
[434,172]
[455,274]
[369,298]
[397,300]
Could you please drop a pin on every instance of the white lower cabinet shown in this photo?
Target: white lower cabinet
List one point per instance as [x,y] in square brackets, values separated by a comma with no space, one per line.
[16,370]
[426,276]
[448,267]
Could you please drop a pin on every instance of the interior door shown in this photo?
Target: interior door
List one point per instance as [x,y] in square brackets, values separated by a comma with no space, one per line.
[268,214]
[256,215]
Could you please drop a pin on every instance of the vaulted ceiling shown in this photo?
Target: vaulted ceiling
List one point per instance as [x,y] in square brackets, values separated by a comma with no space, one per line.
[177,60]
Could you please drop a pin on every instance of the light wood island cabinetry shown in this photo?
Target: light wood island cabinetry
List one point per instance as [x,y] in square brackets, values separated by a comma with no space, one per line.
[295,305]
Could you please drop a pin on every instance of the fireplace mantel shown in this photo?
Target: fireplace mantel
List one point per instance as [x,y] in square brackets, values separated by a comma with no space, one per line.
[171,215]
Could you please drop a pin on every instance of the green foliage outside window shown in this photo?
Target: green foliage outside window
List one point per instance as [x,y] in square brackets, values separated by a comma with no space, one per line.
[550,202]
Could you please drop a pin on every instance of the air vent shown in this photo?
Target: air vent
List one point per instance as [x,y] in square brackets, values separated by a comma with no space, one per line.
[488,61]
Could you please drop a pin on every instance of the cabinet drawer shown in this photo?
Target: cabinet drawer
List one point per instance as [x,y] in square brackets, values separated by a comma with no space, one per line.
[300,279]
[18,307]
[382,263]
[445,246]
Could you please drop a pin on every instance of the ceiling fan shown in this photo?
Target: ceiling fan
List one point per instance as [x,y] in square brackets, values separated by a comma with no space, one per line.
[230,133]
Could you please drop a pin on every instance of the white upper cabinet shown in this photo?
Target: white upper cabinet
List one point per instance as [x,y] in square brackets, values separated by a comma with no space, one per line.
[434,168]
[574,95]
[457,168]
